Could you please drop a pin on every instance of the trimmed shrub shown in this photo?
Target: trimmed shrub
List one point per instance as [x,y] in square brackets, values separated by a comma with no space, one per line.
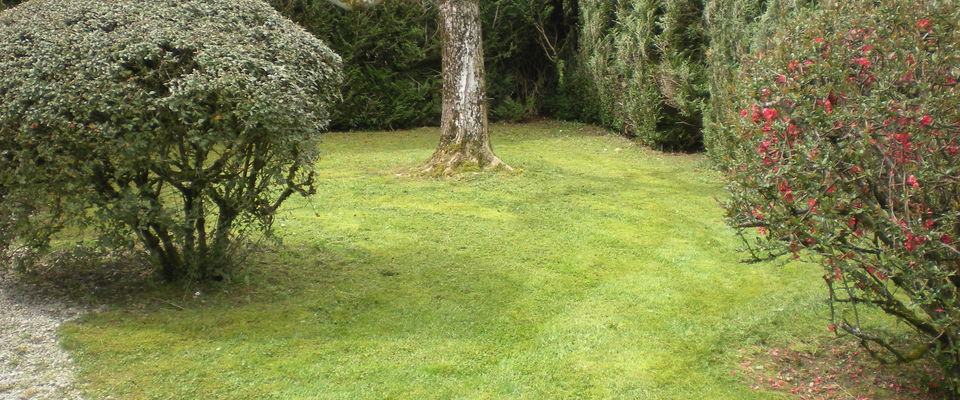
[173,124]
[846,146]
[645,60]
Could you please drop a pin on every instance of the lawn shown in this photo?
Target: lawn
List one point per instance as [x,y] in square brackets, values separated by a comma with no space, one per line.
[599,270]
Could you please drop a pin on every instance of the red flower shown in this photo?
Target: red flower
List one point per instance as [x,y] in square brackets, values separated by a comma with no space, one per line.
[852,222]
[946,239]
[781,79]
[763,231]
[923,23]
[769,113]
[812,202]
[866,49]
[832,327]
[926,120]
[818,39]
[743,112]
[829,105]
[952,149]
[862,61]
[912,180]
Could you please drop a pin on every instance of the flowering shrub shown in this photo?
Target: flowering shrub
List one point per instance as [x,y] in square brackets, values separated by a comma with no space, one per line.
[846,146]
[163,123]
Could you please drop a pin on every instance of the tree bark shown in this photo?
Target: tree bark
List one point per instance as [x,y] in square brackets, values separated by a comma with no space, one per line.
[464,137]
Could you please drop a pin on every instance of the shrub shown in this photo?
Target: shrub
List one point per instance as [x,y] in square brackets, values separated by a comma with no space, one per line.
[645,60]
[735,28]
[4,4]
[846,146]
[172,124]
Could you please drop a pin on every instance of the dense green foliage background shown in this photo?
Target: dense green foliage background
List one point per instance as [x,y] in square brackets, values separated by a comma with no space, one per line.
[636,67]
[392,57]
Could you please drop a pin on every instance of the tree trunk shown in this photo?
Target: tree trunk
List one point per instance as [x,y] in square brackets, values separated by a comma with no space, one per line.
[464,138]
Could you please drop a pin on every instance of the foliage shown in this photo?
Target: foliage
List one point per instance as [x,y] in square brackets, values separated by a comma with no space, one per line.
[846,145]
[4,4]
[391,60]
[735,28]
[170,124]
[392,64]
[645,60]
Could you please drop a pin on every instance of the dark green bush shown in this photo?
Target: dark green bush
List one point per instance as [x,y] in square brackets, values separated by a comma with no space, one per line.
[4,4]
[846,146]
[645,61]
[172,124]
[391,56]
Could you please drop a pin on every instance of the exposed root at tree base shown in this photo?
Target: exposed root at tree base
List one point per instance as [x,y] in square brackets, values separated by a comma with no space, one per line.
[450,164]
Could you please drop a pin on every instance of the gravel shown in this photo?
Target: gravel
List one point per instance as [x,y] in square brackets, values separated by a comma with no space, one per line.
[32,363]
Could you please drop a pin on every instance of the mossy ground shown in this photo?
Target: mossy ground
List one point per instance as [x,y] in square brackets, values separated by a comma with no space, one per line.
[601,270]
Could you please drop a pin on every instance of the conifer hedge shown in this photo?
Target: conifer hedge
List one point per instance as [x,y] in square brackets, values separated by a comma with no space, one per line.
[644,63]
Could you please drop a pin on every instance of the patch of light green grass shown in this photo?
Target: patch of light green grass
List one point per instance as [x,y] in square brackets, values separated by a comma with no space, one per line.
[602,271]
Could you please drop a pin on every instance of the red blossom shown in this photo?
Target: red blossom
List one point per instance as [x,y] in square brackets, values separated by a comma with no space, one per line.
[912,180]
[769,113]
[818,39]
[952,149]
[923,23]
[832,327]
[926,120]
[862,61]
[913,241]
[946,239]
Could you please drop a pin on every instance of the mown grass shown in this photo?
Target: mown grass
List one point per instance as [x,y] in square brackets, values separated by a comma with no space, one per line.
[601,271]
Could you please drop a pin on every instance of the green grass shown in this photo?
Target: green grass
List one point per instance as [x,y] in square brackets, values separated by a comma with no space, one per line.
[601,271]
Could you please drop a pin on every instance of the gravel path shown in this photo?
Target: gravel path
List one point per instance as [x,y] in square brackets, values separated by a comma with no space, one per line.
[32,363]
